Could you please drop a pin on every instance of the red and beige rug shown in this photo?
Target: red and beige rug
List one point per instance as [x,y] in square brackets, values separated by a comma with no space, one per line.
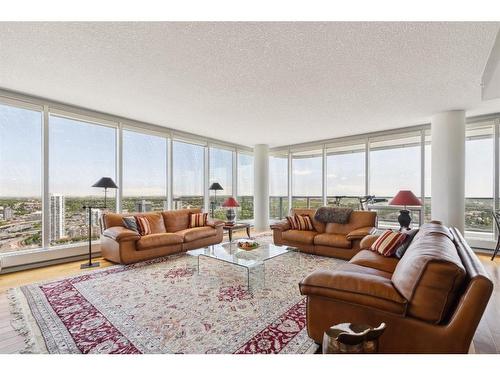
[165,306]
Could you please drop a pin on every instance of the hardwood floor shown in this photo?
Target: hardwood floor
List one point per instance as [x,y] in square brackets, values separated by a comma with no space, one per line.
[486,340]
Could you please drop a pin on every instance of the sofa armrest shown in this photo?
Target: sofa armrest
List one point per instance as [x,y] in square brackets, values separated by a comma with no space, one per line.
[328,284]
[367,241]
[359,233]
[280,225]
[121,234]
[215,223]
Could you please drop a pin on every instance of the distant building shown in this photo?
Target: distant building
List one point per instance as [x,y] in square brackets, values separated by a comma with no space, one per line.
[7,213]
[142,206]
[57,209]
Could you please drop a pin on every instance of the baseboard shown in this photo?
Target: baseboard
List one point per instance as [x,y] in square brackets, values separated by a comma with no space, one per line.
[46,263]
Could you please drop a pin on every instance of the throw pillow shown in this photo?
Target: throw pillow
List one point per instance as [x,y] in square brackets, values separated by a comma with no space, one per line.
[143,225]
[292,222]
[388,242]
[410,234]
[198,220]
[130,223]
[304,222]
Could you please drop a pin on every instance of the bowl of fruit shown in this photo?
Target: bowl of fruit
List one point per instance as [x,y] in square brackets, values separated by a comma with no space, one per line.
[248,244]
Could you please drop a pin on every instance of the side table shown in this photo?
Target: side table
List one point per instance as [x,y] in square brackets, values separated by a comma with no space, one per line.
[236,226]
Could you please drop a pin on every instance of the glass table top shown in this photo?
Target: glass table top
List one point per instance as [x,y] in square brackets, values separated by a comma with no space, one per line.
[231,253]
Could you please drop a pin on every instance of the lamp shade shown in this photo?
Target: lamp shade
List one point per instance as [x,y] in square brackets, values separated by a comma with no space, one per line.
[106,182]
[215,186]
[405,198]
[230,202]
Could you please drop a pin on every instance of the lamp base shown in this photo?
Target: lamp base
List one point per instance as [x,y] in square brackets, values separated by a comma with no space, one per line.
[230,215]
[89,265]
[404,219]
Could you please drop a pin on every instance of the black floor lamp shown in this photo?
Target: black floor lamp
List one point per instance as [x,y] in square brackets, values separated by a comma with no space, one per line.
[106,183]
[215,186]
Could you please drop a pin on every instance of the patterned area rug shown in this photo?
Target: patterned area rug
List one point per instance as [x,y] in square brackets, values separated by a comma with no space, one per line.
[165,306]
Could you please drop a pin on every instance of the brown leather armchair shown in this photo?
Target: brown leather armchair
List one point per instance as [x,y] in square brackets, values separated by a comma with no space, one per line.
[334,240]
[170,235]
[432,299]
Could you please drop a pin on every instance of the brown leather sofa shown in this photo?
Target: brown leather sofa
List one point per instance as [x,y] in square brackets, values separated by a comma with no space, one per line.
[170,234]
[432,299]
[333,240]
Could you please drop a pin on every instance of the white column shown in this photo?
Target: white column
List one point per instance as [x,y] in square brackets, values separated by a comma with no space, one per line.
[261,187]
[448,168]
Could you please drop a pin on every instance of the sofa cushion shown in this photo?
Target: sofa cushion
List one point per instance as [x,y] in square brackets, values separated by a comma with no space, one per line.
[178,219]
[368,258]
[333,240]
[193,234]
[155,221]
[410,235]
[198,219]
[430,276]
[318,226]
[388,242]
[158,240]
[355,284]
[130,222]
[358,219]
[299,236]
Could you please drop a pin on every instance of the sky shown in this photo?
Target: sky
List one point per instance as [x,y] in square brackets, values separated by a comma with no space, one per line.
[81,153]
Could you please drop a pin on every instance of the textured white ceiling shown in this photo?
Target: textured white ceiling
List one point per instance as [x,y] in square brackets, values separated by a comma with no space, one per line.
[275,83]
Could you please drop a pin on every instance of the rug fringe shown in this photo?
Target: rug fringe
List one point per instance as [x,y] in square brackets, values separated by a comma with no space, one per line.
[19,320]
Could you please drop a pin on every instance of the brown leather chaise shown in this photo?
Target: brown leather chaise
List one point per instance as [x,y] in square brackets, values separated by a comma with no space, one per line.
[170,235]
[333,240]
[432,299]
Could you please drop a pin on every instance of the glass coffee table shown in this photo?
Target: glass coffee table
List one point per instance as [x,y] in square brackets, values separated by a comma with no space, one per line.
[247,259]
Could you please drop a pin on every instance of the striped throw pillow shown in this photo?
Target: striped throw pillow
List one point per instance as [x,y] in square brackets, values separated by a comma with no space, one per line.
[292,222]
[304,222]
[143,225]
[198,220]
[388,243]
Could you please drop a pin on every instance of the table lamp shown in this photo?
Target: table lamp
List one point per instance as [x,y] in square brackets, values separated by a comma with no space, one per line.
[405,198]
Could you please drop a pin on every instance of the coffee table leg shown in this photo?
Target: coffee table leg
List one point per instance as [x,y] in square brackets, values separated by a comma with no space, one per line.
[248,232]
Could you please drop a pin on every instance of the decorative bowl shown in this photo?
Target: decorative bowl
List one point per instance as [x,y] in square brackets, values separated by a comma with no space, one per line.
[248,244]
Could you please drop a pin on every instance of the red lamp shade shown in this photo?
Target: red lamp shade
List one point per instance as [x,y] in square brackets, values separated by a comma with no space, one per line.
[405,198]
[230,202]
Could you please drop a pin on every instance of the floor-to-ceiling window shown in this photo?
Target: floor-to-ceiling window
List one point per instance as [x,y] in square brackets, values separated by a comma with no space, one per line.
[395,164]
[345,174]
[307,179]
[144,172]
[427,176]
[479,180]
[187,175]
[20,179]
[278,185]
[80,154]
[221,171]
[245,185]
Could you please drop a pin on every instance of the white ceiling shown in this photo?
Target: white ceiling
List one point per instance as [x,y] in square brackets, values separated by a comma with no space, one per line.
[249,83]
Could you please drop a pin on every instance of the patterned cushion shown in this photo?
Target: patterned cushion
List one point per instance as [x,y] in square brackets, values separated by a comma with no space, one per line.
[143,225]
[304,222]
[388,242]
[130,223]
[292,222]
[300,222]
[410,234]
[198,220]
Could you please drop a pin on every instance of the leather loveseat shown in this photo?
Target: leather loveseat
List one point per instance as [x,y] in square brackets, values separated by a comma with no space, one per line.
[330,239]
[432,299]
[170,234]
